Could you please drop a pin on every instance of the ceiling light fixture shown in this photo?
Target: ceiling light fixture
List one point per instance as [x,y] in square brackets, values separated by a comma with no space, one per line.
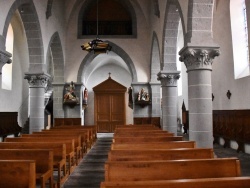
[97,45]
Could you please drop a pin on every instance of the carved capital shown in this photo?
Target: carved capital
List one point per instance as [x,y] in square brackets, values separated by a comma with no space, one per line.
[4,58]
[196,58]
[37,80]
[168,79]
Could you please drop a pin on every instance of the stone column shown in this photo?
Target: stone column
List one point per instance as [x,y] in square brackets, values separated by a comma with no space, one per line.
[169,99]
[198,61]
[37,84]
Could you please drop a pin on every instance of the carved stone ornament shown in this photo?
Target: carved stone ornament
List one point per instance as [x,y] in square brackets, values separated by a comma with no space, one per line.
[198,58]
[37,80]
[4,58]
[168,79]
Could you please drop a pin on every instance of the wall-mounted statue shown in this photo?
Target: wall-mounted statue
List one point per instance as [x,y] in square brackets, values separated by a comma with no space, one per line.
[143,95]
[70,96]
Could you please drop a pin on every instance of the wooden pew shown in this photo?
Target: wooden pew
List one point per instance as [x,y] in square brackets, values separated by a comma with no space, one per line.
[231,182]
[121,140]
[92,129]
[160,154]
[59,155]
[139,134]
[76,137]
[18,173]
[70,147]
[43,160]
[172,169]
[85,135]
[156,145]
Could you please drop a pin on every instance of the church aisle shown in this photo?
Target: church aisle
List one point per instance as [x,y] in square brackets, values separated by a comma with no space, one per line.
[90,172]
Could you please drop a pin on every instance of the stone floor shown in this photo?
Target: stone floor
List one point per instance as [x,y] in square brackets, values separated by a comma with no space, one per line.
[90,172]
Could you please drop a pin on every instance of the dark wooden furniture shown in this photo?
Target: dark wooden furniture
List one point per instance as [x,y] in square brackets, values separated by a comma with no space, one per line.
[9,124]
[148,120]
[67,121]
[232,125]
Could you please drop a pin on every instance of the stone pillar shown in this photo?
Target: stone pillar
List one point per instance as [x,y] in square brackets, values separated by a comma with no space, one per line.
[37,84]
[198,61]
[58,91]
[169,99]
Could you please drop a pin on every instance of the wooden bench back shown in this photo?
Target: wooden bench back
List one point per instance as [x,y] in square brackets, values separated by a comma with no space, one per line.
[160,154]
[139,134]
[42,157]
[18,173]
[120,140]
[59,149]
[85,134]
[159,145]
[70,144]
[172,169]
[75,137]
[232,182]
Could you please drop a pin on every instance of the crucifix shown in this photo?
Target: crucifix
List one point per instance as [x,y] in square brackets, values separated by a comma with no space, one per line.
[109,75]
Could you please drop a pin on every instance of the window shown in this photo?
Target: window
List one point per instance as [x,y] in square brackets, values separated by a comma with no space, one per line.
[113,19]
[239,38]
[7,68]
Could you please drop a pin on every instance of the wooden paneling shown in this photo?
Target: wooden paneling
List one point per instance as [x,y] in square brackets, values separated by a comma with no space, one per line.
[232,125]
[148,120]
[67,121]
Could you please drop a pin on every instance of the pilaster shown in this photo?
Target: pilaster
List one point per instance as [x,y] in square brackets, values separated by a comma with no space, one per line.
[169,99]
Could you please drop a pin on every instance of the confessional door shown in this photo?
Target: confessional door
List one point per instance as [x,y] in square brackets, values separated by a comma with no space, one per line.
[109,111]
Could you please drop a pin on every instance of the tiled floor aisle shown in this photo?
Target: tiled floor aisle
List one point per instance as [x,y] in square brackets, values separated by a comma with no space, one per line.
[90,172]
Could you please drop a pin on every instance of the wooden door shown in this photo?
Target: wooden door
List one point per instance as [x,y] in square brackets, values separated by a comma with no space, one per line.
[109,105]
[109,111]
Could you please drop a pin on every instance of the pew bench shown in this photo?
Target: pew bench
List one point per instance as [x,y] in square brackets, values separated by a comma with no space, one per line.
[141,134]
[171,169]
[121,140]
[18,173]
[231,182]
[76,137]
[92,130]
[160,154]
[85,135]
[59,155]
[70,147]
[155,145]
[43,162]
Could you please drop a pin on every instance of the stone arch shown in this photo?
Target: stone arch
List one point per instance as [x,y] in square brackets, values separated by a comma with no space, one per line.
[119,51]
[57,57]
[170,35]
[155,58]
[32,28]
[127,6]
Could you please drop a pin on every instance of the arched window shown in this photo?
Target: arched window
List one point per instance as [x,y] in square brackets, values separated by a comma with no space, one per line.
[113,19]
[239,38]
[7,68]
